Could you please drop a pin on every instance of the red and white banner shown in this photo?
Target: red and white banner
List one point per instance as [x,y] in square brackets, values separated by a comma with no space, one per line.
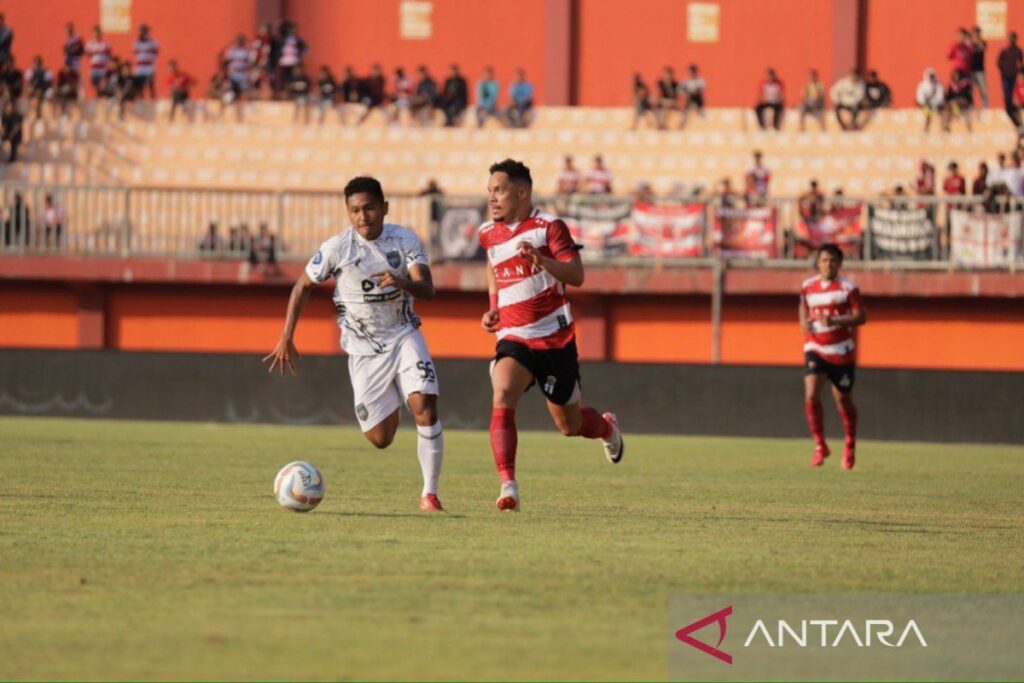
[746,233]
[667,231]
[984,239]
[840,226]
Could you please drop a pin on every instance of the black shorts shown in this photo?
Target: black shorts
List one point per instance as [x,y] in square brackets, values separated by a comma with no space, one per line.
[557,371]
[841,376]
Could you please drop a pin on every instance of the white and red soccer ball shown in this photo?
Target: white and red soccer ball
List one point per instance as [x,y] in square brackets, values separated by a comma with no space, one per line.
[299,486]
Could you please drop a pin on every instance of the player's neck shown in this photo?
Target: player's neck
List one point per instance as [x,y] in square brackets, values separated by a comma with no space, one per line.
[520,215]
[370,233]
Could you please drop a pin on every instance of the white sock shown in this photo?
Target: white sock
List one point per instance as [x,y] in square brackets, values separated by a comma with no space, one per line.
[430,451]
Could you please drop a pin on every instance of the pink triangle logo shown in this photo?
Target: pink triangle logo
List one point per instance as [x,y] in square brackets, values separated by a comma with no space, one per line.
[720,616]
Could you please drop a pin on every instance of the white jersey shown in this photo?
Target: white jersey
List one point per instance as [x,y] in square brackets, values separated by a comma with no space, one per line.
[372,320]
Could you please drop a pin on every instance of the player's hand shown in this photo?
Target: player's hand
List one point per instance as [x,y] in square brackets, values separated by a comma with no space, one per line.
[283,354]
[528,251]
[491,321]
[389,279]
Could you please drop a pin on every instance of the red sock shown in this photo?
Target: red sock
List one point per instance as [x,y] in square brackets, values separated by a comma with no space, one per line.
[504,439]
[815,420]
[594,426]
[849,416]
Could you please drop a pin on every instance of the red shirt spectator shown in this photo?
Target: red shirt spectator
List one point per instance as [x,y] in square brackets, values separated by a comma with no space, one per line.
[771,91]
[960,53]
[180,81]
[1018,92]
[925,181]
[954,184]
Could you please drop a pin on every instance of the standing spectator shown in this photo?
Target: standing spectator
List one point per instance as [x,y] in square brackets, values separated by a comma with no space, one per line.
[11,124]
[568,181]
[599,178]
[291,50]
[454,97]
[725,196]
[180,84]
[327,92]
[1017,102]
[238,60]
[959,53]
[959,99]
[771,96]
[74,48]
[99,52]
[18,221]
[6,39]
[264,250]
[40,84]
[931,97]
[980,184]
[66,92]
[691,90]
[812,203]
[813,102]
[667,102]
[211,241]
[924,183]
[11,79]
[260,52]
[848,96]
[520,109]
[372,92]
[1010,62]
[1013,177]
[402,99]
[641,100]
[954,183]
[300,92]
[53,223]
[757,180]
[486,97]
[425,98]
[146,49]
[998,176]
[978,47]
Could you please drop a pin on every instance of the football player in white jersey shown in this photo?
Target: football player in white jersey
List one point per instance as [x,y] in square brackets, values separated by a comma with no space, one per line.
[378,269]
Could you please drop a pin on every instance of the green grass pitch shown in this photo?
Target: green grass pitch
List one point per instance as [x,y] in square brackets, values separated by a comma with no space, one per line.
[156,550]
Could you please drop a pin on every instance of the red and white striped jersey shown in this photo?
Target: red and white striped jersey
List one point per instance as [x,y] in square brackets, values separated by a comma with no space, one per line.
[833,343]
[532,304]
[99,55]
[146,51]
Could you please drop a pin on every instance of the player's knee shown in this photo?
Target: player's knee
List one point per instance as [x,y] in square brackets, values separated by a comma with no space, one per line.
[569,428]
[380,439]
[505,397]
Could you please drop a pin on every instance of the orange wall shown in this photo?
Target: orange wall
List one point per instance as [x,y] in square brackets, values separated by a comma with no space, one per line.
[661,329]
[40,316]
[473,33]
[191,31]
[906,36]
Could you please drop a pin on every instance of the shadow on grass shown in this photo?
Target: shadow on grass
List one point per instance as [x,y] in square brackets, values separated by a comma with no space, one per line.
[412,515]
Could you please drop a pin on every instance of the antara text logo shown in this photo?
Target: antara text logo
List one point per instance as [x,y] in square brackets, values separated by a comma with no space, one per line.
[805,633]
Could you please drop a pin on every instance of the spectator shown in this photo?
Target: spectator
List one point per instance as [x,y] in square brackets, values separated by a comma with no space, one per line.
[349,91]
[813,103]
[877,95]
[848,96]
[300,92]
[11,124]
[127,88]
[180,84]
[520,110]
[261,50]
[1013,177]
[599,178]
[403,95]
[486,98]
[66,92]
[1016,102]
[218,90]
[237,59]
[757,180]
[264,250]
[641,100]
[898,198]
[838,198]
[436,194]
[327,92]
[771,97]
[290,50]
[812,203]
[931,97]
[977,74]
[74,48]
[53,223]
[924,184]
[959,99]
[6,39]
[980,184]
[998,176]
[691,90]
[40,84]
[960,52]
[108,83]
[146,49]
[17,222]
[11,80]
[1010,63]
[725,196]
[667,102]
[99,52]
[568,181]
[425,99]
[240,239]
[454,97]
[211,241]
[954,183]
[372,93]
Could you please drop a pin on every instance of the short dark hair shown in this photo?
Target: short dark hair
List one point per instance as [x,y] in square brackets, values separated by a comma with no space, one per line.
[516,171]
[830,249]
[367,185]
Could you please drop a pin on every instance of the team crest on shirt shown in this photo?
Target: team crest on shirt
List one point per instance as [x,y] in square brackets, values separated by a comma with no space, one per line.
[361,412]
[394,259]
[318,259]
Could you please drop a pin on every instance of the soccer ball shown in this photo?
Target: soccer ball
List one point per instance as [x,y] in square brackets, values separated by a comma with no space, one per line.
[299,486]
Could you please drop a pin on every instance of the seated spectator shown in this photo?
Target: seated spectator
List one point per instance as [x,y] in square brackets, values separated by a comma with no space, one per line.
[486,98]
[812,203]
[848,97]
[757,180]
[931,97]
[771,97]
[691,90]
[454,97]
[217,90]
[813,102]
[599,178]
[980,183]
[106,85]
[40,84]
[180,84]
[997,176]
[211,242]
[11,79]
[641,100]
[127,88]
[264,250]
[300,92]
[959,99]
[53,223]
[667,102]
[1013,176]
[12,124]
[348,92]
[425,99]
[327,92]
[66,91]
[372,93]
[924,183]
[520,110]
[569,179]
[877,95]
[402,99]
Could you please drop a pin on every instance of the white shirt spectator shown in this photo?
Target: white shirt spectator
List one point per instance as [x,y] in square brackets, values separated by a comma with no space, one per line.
[930,92]
[847,92]
[1013,178]
[599,181]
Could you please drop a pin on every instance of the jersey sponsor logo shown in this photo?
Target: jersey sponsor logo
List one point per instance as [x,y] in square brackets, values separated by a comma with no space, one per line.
[387,296]
[368,285]
[394,259]
[318,259]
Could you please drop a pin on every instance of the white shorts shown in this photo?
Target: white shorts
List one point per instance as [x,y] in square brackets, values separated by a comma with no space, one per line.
[382,382]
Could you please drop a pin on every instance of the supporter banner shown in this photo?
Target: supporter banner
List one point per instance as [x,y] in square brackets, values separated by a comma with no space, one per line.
[457,237]
[667,231]
[746,233]
[984,239]
[601,225]
[841,226]
[903,234]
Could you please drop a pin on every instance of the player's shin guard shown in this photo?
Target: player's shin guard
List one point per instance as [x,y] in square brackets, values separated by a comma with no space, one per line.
[816,420]
[430,451]
[504,440]
[849,414]
[594,425]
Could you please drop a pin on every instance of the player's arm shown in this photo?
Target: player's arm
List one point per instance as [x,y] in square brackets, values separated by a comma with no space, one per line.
[858,316]
[805,316]
[491,320]
[569,271]
[420,283]
[285,352]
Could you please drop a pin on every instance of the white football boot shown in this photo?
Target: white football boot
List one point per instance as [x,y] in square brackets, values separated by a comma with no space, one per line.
[508,499]
[614,446]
